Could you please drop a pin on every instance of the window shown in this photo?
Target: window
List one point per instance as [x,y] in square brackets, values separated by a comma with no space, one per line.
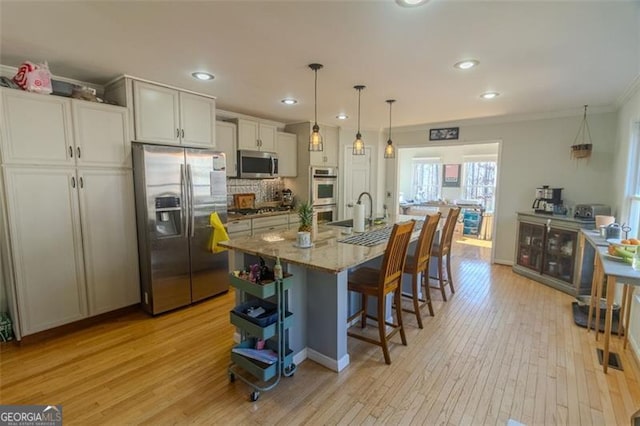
[480,182]
[426,179]
[634,182]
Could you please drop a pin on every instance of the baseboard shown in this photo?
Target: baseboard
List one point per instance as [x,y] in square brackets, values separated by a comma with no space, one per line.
[330,363]
[503,262]
[300,356]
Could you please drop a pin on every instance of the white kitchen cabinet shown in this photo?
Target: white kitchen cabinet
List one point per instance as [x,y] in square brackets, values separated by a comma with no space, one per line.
[256,135]
[287,149]
[166,115]
[226,142]
[101,135]
[73,239]
[36,129]
[46,243]
[329,155]
[270,224]
[53,130]
[107,216]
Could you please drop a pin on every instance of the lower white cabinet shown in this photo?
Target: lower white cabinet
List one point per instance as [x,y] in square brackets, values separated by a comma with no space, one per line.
[109,239]
[73,243]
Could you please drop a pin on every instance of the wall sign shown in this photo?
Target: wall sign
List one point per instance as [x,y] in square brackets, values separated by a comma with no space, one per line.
[451,176]
[444,133]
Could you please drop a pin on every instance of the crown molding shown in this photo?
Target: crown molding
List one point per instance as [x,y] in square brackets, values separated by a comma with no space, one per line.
[501,119]
[628,93]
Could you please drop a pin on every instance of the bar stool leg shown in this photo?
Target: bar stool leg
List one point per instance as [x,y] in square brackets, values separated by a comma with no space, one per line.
[622,328]
[416,302]
[441,278]
[427,290]
[382,328]
[398,296]
[363,320]
[449,275]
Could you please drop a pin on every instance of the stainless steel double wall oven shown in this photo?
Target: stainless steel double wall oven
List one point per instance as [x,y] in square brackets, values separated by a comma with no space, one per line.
[324,193]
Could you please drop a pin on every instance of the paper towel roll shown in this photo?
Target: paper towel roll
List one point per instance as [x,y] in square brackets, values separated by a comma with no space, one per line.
[604,220]
[358,218]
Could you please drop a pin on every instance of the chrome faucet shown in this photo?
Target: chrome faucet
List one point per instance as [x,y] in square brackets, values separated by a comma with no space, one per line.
[370,205]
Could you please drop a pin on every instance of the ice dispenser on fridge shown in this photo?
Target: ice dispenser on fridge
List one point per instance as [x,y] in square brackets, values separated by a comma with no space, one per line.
[168,216]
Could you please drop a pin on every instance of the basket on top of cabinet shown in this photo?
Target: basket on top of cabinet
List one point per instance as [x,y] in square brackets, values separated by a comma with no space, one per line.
[262,315]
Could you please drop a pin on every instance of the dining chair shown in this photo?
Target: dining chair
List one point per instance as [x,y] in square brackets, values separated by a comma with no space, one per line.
[442,249]
[418,266]
[379,283]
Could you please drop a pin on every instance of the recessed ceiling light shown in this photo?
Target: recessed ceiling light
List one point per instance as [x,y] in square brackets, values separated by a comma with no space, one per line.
[411,3]
[289,101]
[466,64]
[342,116]
[201,75]
[489,95]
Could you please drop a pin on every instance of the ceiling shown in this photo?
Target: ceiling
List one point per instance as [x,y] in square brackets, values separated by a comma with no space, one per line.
[542,56]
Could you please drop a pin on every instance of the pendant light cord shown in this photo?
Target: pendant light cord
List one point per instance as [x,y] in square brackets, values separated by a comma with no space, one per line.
[359,91]
[390,105]
[315,97]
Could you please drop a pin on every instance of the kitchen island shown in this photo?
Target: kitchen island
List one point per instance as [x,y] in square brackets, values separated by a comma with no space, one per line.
[319,296]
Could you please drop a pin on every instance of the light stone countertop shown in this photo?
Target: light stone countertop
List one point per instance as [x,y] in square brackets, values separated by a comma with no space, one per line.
[327,254]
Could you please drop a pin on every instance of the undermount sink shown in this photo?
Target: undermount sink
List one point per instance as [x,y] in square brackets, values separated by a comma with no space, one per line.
[345,223]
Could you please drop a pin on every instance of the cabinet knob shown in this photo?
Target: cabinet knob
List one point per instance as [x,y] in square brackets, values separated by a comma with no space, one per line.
[78,149]
[81,182]
[182,133]
[73,182]
[177,133]
[71,152]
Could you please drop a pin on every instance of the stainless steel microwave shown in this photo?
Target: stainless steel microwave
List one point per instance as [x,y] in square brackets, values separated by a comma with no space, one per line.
[257,164]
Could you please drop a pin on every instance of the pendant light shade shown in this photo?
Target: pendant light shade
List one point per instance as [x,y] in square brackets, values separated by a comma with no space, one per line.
[315,139]
[358,144]
[389,151]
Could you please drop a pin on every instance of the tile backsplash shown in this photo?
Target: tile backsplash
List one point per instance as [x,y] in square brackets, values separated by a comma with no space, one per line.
[265,189]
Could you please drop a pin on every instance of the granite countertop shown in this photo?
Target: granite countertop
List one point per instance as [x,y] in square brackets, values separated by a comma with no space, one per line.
[327,253]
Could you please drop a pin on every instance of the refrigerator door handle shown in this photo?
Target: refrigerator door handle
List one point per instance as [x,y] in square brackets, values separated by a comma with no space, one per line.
[183,207]
[192,213]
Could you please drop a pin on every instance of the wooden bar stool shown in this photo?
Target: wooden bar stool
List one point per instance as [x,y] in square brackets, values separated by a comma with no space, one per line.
[380,282]
[442,249]
[418,266]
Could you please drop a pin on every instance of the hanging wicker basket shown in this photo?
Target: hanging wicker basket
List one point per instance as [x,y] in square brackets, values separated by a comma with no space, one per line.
[581,151]
[582,145]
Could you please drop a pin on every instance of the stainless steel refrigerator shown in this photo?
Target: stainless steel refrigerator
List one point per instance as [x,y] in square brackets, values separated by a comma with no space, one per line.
[176,190]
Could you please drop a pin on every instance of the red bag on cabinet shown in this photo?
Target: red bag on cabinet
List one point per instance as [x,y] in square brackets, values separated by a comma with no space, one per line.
[34,78]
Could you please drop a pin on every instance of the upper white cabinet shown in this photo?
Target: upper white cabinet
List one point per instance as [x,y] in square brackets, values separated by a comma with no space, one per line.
[101,135]
[287,149]
[256,135]
[39,129]
[226,142]
[329,155]
[166,115]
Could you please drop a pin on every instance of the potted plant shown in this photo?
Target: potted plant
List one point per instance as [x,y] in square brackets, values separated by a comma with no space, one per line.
[305,212]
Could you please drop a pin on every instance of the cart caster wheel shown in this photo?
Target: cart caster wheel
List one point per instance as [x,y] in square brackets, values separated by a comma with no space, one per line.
[290,370]
[254,396]
[232,377]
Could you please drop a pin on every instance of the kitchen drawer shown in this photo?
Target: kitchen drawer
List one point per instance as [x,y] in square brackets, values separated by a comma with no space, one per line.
[235,226]
[271,221]
[239,234]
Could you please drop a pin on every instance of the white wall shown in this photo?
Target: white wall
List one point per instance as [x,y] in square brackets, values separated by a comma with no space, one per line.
[448,155]
[534,153]
[628,117]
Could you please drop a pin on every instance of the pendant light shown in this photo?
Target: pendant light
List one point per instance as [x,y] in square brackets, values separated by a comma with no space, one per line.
[389,151]
[315,139]
[358,144]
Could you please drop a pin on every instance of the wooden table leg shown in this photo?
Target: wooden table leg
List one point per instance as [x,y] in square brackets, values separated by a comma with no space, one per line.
[611,289]
[592,301]
[627,312]
[598,297]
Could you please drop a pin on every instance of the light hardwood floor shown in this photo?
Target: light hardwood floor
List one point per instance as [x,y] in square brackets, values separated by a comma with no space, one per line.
[503,347]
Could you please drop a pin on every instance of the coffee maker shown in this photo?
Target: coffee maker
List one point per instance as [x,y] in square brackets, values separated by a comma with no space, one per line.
[548,200]
[287,198]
